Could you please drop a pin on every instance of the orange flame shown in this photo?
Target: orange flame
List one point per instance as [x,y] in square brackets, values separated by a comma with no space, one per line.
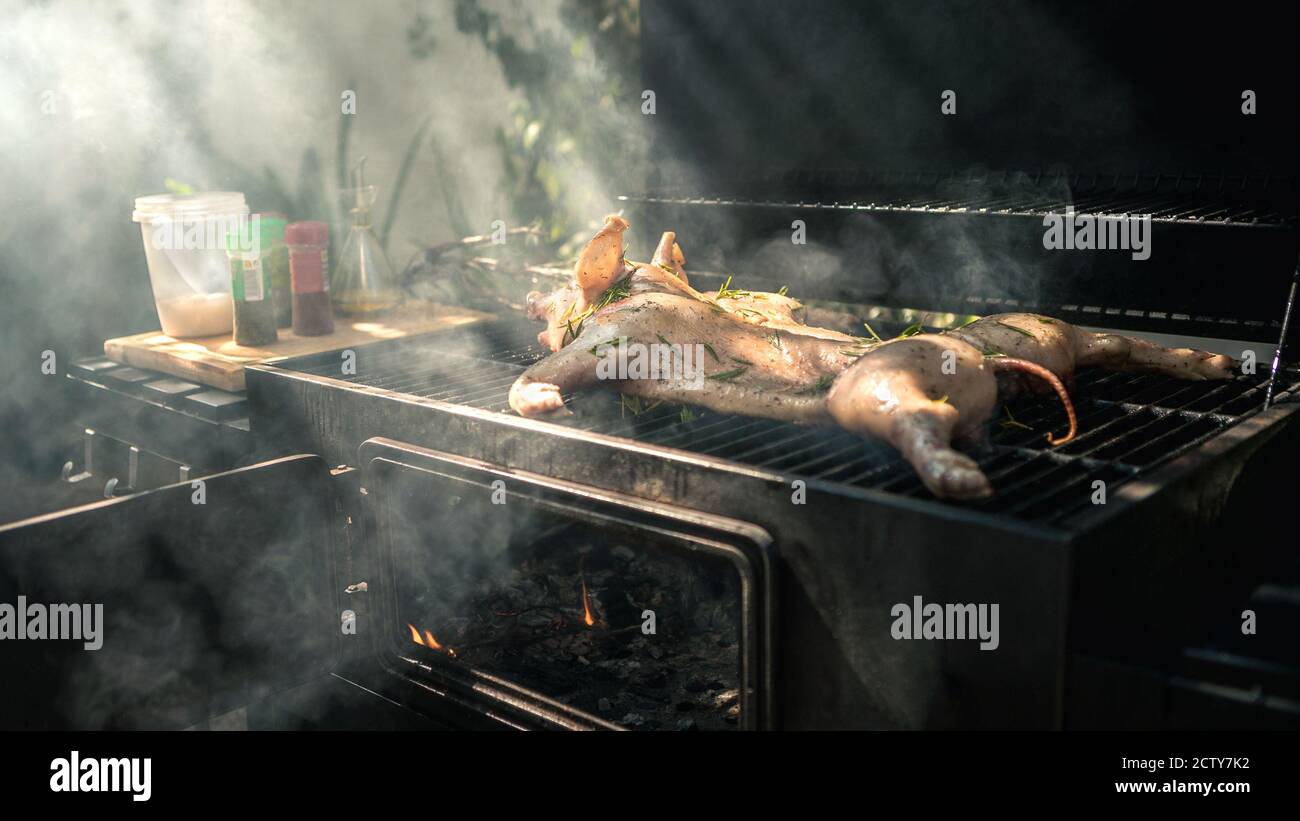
[586,606]
[428,640]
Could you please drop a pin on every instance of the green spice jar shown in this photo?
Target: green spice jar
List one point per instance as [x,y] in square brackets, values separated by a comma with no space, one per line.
[250,287]
[277,265]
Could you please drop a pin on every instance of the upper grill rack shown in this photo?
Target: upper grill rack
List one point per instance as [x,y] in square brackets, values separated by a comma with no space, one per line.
[1193,199]
[1128,423]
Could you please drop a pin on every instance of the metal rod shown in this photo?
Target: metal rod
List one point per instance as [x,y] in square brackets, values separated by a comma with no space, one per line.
[1281,340]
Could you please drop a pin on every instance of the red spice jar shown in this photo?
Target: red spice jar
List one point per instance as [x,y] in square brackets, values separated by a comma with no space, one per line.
[308,263]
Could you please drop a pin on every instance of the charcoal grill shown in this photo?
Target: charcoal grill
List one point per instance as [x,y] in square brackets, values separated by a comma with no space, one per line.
[909,215]
[469,545]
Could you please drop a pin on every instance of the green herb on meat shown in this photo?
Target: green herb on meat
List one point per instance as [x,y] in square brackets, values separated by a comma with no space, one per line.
[1017,330]
[822,385]
[618,291]
[727,292]
[726,376]
[910,330]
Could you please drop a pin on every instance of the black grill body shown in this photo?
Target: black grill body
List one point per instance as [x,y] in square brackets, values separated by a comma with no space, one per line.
[1069,575]
[772,117]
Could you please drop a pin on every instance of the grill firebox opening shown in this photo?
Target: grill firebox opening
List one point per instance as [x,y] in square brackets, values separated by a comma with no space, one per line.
[604,615]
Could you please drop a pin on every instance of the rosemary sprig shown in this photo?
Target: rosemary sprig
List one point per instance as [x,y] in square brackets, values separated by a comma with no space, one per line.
[1017,330]
[613,343]
[686,415]
[633,403]
[910,330]
[726,376]
[783,291]
[712,352]
[774,339]
[822,385]
[1011,421]
[1046,320]
[727,292]
[618,291]
[661,339]
[872,331]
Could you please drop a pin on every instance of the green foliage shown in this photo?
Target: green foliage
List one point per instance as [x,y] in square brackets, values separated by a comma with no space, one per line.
[580,101]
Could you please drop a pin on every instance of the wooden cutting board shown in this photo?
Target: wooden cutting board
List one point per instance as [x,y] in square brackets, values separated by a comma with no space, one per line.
[217,361]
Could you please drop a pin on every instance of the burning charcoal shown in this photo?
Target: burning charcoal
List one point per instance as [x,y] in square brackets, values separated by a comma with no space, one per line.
[657,680]
[685,706]
[604,705]
[633,719]
[623,552]
[696,685]
[687,724]
[726,699]
[535,618]
[655,652]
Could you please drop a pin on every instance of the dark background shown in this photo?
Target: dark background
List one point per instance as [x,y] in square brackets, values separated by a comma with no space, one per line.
[1099,87]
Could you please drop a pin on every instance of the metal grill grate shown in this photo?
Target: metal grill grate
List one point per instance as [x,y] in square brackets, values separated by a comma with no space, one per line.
[1196,199]
[1128,423]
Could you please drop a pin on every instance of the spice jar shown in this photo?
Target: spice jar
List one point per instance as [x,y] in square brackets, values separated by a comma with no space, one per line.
[249,286]
[276,264]
[308,244]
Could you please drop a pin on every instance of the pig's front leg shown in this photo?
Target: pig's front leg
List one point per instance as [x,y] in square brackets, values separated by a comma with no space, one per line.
[539,389]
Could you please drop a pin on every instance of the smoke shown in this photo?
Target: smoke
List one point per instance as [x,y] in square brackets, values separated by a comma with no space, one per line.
[101,103]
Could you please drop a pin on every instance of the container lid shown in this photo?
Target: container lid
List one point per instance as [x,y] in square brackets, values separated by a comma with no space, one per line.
[151,207]
[307,233]
[272,226]
[241,239]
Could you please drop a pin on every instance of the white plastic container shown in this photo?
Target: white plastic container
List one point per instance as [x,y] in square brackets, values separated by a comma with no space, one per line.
[185,248]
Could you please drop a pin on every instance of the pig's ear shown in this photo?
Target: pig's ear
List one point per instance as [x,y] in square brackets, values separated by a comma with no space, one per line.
[669,255]
[600,264]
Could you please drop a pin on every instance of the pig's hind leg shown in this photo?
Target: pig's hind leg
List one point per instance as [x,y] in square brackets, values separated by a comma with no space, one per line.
[1127,353]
